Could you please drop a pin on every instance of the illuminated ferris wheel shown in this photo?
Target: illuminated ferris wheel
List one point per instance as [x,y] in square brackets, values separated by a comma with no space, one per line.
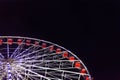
[23,58]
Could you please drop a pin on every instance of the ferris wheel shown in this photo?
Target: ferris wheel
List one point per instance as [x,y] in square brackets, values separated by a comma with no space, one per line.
[24,58]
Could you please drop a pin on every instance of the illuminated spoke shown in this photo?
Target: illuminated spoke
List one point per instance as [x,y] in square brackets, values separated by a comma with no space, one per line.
[1,56]
[18,49]
[7,51]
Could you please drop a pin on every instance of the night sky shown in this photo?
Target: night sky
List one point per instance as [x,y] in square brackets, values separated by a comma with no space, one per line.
[88,28]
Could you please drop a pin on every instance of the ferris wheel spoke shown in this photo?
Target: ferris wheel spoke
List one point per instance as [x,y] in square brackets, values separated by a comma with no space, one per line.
[8,51]
[18,76]
[58,57]
[30,49]
[17,73]
[18,49]
[40,56]
[40,51]
[47,61]
[34,73]
[50,56]
[33,78]
[26,75]
[26,55]
[1,56]
[53,77]
[30,76]
[50,63]
[58,63]
[62,75]
[40,62]
[62,64]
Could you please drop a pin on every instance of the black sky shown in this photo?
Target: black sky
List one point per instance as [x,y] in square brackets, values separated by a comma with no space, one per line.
[88,28]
